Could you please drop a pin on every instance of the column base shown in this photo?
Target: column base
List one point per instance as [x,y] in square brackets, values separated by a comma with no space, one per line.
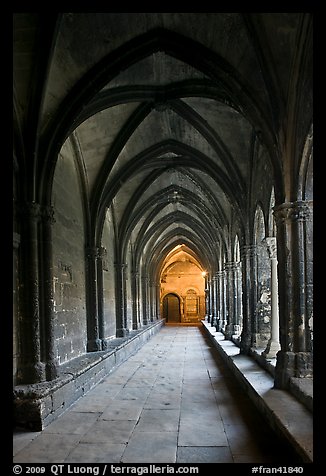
[51,370]
[271,350]
[32,373]
[292,364]
[94,345]
[228,331]
[104,344]
[122,332]
[245,343]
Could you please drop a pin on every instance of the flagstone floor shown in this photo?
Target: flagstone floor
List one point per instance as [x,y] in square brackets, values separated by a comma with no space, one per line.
[174,401]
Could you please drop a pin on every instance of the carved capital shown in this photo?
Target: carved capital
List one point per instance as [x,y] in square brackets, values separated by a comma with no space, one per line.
[101,252]
[31,210]
[230,266]
[248,251]
[293,211]
[271,246]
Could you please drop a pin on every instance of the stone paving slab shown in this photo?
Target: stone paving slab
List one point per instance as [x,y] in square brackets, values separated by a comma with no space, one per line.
[151,447]
[96,453]
[202,454]
[47,448]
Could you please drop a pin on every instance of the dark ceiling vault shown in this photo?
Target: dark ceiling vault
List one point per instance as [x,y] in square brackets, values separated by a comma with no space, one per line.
[175,118]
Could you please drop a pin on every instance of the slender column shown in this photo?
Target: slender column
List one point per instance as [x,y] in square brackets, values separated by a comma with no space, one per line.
[135,299]
[145,299]
[230,298]
[210,296]
[51,364]
[248,260]
[31,369]
[220,312]
[100,298]
[294,222]
[157,302]
[15,307]
[122,330]
[214,313]
[206,299]
[93,342]
[150,301]
[273,345]
[238,300]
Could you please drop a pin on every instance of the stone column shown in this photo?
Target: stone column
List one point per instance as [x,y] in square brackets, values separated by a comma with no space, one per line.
[238,300]
[51,364]
[94,344]
[206,291]
[145,299]
[214,303]
[210,296]
[249,298]
[31,369]
[230,299]
[152,290]
[135,299]
[120,296]
[100,298]
[294,223]
[158,297]
[273,345]
[15,302]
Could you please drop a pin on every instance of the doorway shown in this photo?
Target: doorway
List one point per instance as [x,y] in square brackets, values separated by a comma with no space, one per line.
[171,308]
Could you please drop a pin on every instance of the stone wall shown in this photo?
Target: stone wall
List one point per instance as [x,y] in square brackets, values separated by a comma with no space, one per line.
[68,261]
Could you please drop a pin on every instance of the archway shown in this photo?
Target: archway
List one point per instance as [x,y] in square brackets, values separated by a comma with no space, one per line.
[171,308]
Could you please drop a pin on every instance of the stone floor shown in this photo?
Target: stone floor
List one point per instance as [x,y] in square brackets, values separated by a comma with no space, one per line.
[174,401]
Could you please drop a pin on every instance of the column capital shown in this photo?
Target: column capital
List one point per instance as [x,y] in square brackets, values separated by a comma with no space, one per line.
[271,245]
[101,252]
[300,210]
[30,209]
[230,265]
[247,251]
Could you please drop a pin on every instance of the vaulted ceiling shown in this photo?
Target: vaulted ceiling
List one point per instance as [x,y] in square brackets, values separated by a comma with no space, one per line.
[166,111]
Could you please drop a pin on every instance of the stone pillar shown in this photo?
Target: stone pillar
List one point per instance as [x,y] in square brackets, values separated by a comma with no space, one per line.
[210,296]
[100,298]
[48,344]
[294,224]
[238,300]
[120,296]
[93,342]
[222,300]
[15,302]
[135,299]
[157,302]
[273,345]
[145,299]
[230,299]
[31,369]
[152,290]
[249,298]
[214,303]
[207,299]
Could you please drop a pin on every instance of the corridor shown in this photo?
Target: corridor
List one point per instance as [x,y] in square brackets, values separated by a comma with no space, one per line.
[171,402]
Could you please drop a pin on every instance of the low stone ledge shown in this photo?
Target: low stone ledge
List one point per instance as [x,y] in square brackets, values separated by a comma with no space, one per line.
[37,405]
[302,388]
[288,417]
